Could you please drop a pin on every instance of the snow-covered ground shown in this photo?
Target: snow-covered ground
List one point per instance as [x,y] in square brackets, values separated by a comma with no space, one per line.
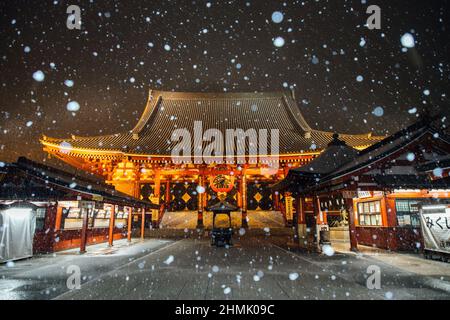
[257,267]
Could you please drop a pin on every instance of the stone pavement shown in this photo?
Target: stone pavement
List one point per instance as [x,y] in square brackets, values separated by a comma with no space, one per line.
[409,262]
[259,266]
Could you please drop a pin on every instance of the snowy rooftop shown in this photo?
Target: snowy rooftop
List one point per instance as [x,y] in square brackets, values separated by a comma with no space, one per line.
[168,111]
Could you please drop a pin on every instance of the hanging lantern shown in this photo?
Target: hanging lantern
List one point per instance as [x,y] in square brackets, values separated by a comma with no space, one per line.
[221,183]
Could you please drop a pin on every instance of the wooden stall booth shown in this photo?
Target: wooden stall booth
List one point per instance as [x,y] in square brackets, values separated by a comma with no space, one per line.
[71,211]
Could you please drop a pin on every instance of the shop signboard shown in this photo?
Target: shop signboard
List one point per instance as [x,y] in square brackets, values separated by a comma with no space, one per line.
[435,221]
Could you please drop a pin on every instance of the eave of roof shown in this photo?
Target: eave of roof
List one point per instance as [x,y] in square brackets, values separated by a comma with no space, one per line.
[443,163]
[381,150]
[58,178]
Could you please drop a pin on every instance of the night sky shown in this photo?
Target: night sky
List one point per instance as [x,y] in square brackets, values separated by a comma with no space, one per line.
[346,77]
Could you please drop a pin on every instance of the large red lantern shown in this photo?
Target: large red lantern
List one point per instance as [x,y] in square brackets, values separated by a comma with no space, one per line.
[221,183]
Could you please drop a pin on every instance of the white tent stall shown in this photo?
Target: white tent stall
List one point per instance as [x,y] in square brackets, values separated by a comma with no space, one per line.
[17,227]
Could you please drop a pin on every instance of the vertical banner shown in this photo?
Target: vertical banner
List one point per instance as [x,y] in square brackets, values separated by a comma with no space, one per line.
[289,207]
[155,212]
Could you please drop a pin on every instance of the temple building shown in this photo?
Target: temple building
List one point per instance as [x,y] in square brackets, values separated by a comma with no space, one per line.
[141,162]
[373,197]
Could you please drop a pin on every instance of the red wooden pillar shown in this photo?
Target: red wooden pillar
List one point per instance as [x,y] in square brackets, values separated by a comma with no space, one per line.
[301,210]
[239,197]
[142,223]
[276,200]
[316,216]
[112,222]
[50,223]
[156,193]
[84,228]
[130,216]
[389,220]
[58,217]
[351,224]
[200,203]
[167,196]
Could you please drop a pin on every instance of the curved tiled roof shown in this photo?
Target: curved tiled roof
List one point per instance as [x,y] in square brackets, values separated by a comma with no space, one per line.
[336,154]
[167,111]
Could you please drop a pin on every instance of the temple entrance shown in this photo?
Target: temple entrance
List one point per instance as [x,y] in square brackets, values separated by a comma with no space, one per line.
[183,196]
[182,200]
[337,219]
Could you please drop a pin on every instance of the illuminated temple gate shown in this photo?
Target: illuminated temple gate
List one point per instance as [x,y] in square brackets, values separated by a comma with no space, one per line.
[140,163]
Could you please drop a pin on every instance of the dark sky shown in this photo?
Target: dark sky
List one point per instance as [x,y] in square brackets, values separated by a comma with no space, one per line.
[216,46]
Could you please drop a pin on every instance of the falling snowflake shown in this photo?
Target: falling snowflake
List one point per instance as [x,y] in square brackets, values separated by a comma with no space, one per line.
[438,172]
[328,250]
[410,156]
[362,42]
[73,106]
[69,83]
[378,111]
[277,17]
[278,42]
[407,40]
[412,110]
[293,276]
[39,76]
[200,189]
[169,260]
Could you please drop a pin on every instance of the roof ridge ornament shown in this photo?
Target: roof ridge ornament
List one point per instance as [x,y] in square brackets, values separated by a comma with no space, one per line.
[336,141]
